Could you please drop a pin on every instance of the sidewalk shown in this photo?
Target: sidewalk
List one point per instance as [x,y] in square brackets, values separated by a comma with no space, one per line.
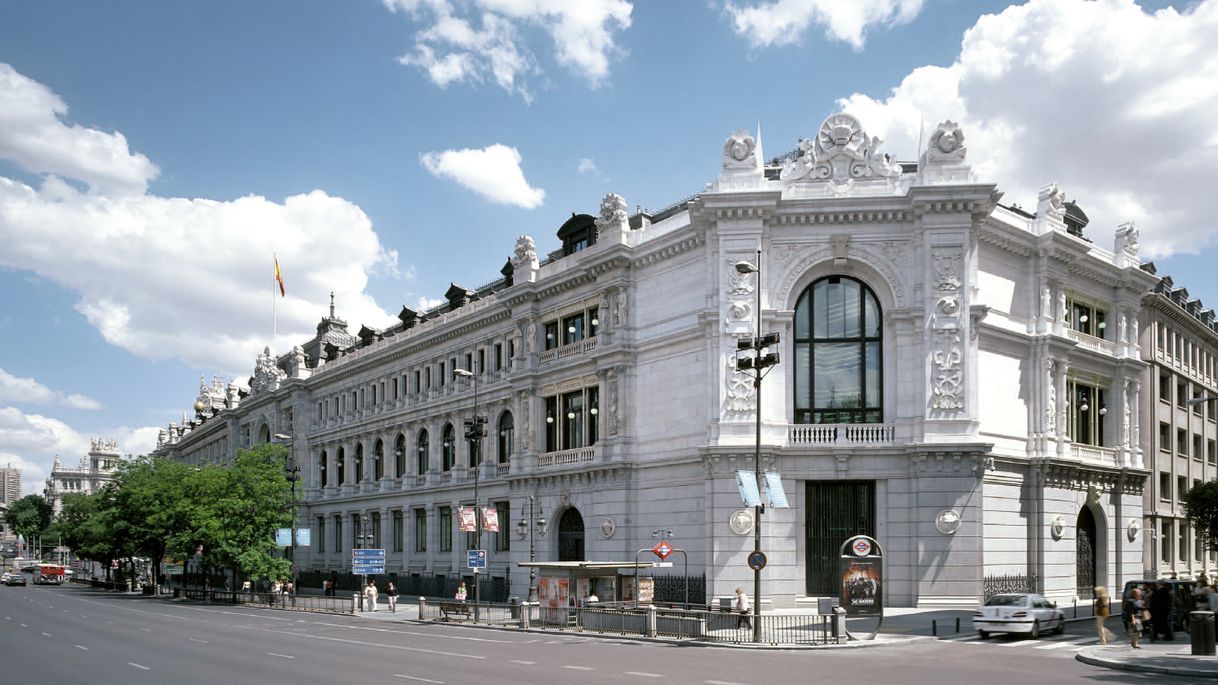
[1170,658]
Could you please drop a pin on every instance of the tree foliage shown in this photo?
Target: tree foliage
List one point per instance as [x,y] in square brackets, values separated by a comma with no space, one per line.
[1201,507]
[158,508]
[29,516]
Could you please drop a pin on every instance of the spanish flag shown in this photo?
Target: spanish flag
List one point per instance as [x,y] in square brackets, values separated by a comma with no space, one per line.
[279,279]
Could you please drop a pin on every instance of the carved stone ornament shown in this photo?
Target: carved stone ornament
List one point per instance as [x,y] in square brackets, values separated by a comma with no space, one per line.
[946,143]
[740,152]
[947,522]
[1051,203]
[267,376]
[740,395]
[613,211]
[1057,527]
[840,153]
[608,527]
[525,255]
[741,522]
[1132,529]
[1051,408]
[1127,238]
[947,373]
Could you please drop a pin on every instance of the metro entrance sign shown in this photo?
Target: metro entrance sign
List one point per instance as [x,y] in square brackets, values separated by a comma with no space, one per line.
[662,549]
[368,561]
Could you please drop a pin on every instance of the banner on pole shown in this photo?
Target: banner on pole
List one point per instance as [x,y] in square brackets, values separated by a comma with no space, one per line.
[467,520]
[490,519]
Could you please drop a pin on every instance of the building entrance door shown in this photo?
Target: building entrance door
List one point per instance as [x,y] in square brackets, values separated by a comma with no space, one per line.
[571,536]
[835,511]
[1084,554]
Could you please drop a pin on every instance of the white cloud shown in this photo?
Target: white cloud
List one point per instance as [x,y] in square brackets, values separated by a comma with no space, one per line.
[27,390]
[493,172]
[587,166]
[1113,102]
[188,278]
[33,136]
[784,22]
[425,303]
[484,40]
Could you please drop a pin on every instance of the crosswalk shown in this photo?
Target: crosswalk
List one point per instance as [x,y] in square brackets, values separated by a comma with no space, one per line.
[1063,644]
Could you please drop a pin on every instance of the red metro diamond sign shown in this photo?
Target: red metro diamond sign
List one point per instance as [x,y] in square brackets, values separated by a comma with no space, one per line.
[662,549]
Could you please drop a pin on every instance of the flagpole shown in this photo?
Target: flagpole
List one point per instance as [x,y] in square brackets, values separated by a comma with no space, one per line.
[274,306]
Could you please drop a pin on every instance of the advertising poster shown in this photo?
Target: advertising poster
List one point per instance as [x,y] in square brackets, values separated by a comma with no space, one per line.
[490,520]
[467,520]
[862,585]
[554,594]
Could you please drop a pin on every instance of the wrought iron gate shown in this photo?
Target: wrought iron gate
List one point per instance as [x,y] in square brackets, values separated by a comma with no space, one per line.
[1084,554]
[836,511]
[571,536]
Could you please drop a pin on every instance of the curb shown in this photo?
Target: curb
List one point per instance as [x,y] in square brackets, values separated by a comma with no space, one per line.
[1142,668]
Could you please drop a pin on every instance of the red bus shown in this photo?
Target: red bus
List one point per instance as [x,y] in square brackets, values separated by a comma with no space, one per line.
[48,574]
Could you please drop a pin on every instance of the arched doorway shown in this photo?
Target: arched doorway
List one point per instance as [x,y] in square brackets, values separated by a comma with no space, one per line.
[571,535]
[1084,554]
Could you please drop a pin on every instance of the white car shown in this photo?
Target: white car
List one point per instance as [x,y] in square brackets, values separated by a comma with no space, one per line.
[1018,613]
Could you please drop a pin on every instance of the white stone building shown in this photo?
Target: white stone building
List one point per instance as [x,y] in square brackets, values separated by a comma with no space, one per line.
[93,471]
[958,378]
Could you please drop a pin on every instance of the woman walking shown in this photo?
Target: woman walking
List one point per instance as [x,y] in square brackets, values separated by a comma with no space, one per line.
[392,593]
[1132,613]
[1101,614]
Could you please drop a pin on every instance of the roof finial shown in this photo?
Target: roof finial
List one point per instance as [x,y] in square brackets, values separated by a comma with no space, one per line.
[331,304]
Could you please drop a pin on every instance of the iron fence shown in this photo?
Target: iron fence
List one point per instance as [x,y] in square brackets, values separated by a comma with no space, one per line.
[329,605]
[997,585]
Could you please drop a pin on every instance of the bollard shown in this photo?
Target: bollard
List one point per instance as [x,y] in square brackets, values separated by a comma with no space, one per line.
[355,603]
[1076,607]
[651,621]
[1201,633]
[422,607]
[934,628]
[524,616]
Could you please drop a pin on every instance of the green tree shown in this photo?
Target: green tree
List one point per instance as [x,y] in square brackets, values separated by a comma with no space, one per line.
[151,507]
[29,516]
[257,502]
[1201,508]
[82,526]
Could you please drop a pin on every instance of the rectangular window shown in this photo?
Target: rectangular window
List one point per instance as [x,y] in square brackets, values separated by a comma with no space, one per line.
[481,361]
[503,539]
[469,362]
[1165,487]
[420,530]
[551,335]
[418,385]
[1183,546]
[1165,542]
[1198,452]
[446,529]
[1181,394]
[398,533]
[498,356]
[571,420]
[511,354]
[1165,387]
[382,393]
[1211,454]
[1164,437]
[321,534]
[573,329]
[1086,420]
[551,424]
[1181,488]
[1181,441]
[441,373]
[1087,318]
[338,533]
[376,531]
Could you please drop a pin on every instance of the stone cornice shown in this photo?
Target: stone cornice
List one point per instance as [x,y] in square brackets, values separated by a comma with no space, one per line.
[684,242]
[1158,303]
[841,216]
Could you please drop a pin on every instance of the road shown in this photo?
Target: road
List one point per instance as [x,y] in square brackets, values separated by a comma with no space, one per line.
[75,634]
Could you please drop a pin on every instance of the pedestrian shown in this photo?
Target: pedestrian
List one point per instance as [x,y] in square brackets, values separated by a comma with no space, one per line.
[391,591]
[370,594]
[1201,594]
[327,587]
[276,590]
[742,608]
[1101,614]
[1162,605]
[289,592]
[1133,613]
[461,594]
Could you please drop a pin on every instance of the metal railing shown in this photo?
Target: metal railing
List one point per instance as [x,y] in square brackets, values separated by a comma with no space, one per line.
[330,605]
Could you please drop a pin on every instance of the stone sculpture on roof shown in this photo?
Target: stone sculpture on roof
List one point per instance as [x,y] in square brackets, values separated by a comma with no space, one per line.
[613,211]
[740,152]
[840,153]
[267,376]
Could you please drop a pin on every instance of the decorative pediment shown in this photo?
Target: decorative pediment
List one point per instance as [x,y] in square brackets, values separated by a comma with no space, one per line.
[841,153]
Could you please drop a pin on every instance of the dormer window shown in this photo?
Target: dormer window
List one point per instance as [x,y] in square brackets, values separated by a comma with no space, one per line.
[578,233]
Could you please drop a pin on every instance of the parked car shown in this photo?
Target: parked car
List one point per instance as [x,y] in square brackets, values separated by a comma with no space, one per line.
[15,579]
[1018,612]
[1181,589]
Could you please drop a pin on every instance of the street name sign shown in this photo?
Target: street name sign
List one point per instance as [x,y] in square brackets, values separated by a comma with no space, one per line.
[475,558]
[368,561]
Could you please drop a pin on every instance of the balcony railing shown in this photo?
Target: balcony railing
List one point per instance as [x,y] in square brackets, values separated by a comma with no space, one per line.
[1091,342]
[829,434]
[1091,453]
[567,457]
[579,347]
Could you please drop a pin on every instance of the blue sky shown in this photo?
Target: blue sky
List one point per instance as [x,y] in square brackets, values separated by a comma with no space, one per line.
[154,155]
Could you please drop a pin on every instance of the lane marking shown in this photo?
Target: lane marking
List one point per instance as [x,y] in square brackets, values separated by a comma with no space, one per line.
[523,662]
[580,668]
[146,630]
[642,674]
[721,682]
[363,643]
[195,639]
[281,656]
[423,634]
[421,680]
[82,647]
[1059,645]
[140,666]
[48,634]
[23,625]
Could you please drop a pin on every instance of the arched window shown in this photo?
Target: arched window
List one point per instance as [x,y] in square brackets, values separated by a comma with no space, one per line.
[506,435]
[448,448]
[838,353]
[422,450]
[321,468]
[341,466]
[399,456]
[264,434]
[378,460]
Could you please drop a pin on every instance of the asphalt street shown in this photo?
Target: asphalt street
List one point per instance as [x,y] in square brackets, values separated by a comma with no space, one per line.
[76,634]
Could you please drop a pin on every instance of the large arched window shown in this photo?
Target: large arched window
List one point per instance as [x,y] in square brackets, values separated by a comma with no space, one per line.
[340,466]
[321,468]
[506,437]
[838,355]
[448,448]
[378,460]
[359,462]
[422,449]
[399,456]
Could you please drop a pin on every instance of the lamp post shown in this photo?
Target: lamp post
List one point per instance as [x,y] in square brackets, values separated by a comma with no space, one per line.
[531,523]
[363,540]
[291,471]
[474,431]
[757,362]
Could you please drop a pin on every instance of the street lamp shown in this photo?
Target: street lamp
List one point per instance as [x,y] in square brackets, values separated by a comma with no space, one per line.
[474,432]
[757,362]
[1198,401]
[531,522]
[291,471]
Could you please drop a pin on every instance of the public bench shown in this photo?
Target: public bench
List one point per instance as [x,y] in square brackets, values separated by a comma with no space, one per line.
[451,609]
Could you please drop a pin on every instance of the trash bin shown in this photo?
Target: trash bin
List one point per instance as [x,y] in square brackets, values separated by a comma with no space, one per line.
[1201,630]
